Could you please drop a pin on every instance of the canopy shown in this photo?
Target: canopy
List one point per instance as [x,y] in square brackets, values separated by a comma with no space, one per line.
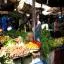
[52,3]
[26,6]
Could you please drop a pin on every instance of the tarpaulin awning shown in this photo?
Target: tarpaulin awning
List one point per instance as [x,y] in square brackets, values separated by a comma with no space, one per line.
[52,3]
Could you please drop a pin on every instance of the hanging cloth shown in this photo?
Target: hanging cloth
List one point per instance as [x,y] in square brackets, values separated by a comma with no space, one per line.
[4,23]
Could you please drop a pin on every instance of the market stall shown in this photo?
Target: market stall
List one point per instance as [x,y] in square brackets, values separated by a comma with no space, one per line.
[16,48]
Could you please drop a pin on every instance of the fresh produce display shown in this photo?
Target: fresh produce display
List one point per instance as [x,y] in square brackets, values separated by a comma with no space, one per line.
[4,56]
[17,52]
[45,37]
[13,34]
[22,44]
[14,47]
[37,43]
[50,43]
[3,51]
[10,43]
[57,42]
[14,52]
[32,46]
[3,38]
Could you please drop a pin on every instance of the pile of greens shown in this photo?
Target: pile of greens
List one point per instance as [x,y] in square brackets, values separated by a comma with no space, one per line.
[49,43]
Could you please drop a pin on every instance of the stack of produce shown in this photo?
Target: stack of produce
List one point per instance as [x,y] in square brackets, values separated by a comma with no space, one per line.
[3,51]
[14,47]
[50,43]
[33,46]
[18,51]
[57,42]
[3,39]
[4,57]
[45,39]
[37,43]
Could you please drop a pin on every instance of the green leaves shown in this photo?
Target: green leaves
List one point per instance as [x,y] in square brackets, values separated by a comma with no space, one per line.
[14,33]
[45,37]
[50,43]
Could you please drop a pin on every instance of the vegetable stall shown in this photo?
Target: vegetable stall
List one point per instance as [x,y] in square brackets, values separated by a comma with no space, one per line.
[21,45]
[16,48]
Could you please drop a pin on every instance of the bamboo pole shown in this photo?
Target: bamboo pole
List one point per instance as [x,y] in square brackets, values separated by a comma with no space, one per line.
[33,16]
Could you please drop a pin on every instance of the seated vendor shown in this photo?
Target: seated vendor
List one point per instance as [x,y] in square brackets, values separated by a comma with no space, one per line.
[36,58]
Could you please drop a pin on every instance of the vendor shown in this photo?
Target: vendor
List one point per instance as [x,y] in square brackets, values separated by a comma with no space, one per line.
[36,58]
[29,37]
[37,28]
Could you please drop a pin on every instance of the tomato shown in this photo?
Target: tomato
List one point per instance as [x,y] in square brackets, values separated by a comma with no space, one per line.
[37,43]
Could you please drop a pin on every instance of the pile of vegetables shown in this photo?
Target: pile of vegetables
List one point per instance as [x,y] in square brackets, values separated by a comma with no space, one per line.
[6,60]
[32,46]
[15,47]
[45,37]
[14,33]
[4,56]
[50,43]
[17,52]
[57,42]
